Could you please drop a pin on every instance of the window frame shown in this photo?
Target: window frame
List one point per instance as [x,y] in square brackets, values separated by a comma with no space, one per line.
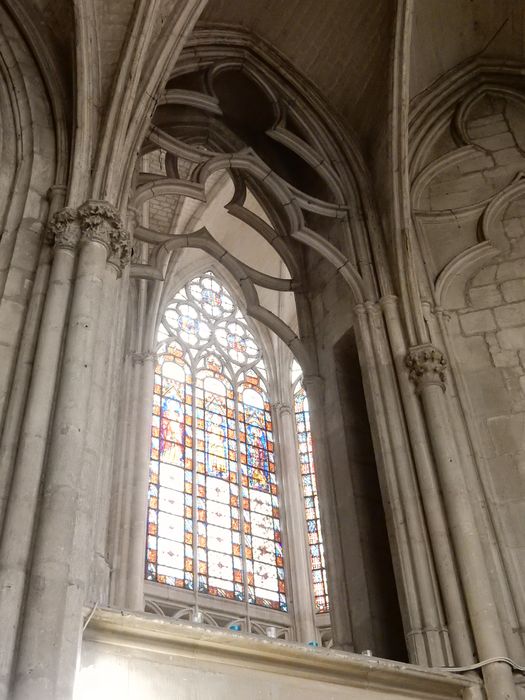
[173,601]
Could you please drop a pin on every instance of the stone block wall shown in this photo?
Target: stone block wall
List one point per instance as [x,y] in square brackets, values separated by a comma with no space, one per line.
[489,338]
[469,192]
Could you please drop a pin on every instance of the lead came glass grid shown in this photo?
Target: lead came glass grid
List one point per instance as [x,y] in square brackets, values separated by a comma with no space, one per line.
[311,501]
[170,526]
[264,556]
[213,517]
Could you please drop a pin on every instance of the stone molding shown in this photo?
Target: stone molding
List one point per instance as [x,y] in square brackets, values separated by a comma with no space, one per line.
[426,366]
[94,221]
[369,677]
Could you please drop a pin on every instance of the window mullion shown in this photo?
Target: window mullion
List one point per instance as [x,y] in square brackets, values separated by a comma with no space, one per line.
[298,555]
[241,505]
[194,486]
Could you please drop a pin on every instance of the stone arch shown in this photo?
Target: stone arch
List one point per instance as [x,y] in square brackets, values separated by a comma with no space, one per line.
[31,159]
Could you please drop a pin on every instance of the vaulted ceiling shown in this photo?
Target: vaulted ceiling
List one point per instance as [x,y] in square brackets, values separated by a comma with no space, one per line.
[342,46]
[449,32]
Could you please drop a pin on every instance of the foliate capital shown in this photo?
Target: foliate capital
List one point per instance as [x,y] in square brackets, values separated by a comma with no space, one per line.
[101,222]
[426,366]
[63,229]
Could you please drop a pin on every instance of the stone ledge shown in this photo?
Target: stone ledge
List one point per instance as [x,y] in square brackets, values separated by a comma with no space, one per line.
[164,636]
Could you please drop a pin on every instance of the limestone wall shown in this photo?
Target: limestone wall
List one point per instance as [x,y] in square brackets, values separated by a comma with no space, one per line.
[469,211]
[489,337]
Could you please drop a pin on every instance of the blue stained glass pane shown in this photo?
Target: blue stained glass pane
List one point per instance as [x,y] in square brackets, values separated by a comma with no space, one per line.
[256,437]
[257,457]
[254,416]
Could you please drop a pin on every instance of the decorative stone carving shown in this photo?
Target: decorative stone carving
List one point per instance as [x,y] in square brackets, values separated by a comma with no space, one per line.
[427,366]
[96,221]
[101,222]
[63,230]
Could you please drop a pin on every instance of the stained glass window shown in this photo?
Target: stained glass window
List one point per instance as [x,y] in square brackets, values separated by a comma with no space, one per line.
[311,500]
[213,520]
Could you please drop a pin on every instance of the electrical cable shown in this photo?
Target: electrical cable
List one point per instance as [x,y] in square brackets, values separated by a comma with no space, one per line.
[88,618]
[480,664]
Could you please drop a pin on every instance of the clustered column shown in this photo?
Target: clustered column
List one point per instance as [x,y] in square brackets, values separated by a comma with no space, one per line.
[50,635]
[17,534]
[427,366]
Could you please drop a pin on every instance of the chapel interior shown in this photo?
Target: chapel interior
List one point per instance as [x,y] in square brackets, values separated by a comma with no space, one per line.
[262,349]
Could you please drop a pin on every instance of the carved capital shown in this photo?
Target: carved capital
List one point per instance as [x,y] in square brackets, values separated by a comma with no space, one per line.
[282,408]
[426,366]
[63,229]
[101,222]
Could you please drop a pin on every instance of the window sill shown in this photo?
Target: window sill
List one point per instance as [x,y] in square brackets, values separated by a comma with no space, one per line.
[140,647]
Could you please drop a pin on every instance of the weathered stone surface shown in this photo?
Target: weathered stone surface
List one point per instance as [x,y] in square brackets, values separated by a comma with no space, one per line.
[514,290]
[510,315]
[512,338]
[486,296]
[474,322]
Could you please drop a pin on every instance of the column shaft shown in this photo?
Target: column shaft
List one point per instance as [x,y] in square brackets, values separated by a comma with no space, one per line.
[427,366]
[51,632]
[114,294]
[139,496]
[429,642]
[17,534]
[298,550]
[122,487]
[341,622]
[446,568]
[41,670]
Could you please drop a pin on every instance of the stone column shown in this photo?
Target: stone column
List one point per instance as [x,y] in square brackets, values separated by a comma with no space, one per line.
[340,615]
[118,540]
[112,467]
[116,296]
[427,366]
[139,472]
[430,494]
[297,540]
[95,467]
[53,615]
[26,355]
[17,534]
[427,638]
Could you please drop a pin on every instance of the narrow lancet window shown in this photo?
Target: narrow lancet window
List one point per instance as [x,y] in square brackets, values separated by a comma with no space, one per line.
[213,519]
[311,500]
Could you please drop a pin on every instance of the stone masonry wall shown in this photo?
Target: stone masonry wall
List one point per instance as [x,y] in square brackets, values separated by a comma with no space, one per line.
[489,336]
[487,328]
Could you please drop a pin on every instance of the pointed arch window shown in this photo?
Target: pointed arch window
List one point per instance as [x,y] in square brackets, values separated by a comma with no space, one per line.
[213,516]
[311,499]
